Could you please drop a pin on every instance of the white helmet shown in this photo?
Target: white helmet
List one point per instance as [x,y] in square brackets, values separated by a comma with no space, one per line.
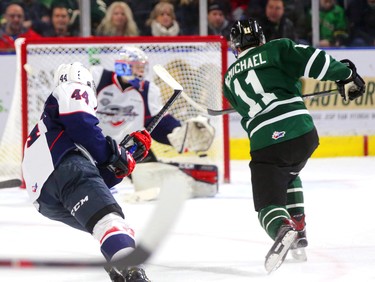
[131,64]
[75,72]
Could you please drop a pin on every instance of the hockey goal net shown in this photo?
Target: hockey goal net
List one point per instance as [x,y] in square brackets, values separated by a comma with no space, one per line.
[197,63]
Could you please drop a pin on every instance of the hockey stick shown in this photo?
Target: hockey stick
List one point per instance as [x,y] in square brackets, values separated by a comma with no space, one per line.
[169,80]
[169,205]
[10,183]
[321,93]
[212,112]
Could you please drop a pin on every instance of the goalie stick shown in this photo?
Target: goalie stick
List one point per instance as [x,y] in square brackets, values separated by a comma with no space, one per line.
[212,112]
[169,205]
[169,80]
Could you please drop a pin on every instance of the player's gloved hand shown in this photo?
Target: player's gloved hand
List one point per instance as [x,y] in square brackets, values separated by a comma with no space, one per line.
[139,144]
[356,85]
[121,162]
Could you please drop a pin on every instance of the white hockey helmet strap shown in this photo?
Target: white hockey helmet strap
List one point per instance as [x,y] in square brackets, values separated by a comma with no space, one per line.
[75,72]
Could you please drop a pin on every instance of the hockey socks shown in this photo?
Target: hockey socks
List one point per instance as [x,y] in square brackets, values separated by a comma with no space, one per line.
[114,235]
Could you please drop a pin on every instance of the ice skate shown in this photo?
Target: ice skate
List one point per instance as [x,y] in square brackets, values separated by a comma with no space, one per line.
[114,274]
[298,247]
[135,274]
[283,242]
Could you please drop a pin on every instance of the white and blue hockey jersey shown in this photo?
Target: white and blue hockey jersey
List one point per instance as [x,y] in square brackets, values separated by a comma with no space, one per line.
[67,122]
[125,108]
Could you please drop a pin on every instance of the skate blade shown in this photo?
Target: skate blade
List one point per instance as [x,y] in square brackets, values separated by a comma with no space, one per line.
[299,254]
[114,274]
[274,260]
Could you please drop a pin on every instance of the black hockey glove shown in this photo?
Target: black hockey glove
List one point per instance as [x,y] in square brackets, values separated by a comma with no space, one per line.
[121,162]
[139,144]
[356,87]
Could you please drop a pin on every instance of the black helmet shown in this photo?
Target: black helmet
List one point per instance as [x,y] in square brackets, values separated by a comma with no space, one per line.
[245,34]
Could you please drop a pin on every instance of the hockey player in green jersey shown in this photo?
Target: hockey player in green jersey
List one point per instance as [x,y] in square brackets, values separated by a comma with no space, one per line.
[263,85]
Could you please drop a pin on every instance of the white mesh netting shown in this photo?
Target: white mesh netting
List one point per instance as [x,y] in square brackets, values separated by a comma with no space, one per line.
[197,66]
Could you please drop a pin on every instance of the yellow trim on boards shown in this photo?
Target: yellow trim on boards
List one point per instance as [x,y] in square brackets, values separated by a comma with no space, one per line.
[330,146]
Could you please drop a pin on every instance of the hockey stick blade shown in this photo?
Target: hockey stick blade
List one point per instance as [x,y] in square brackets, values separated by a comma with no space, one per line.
[330,92]
[168,79]
[10,183]
[212,112]
[167,209]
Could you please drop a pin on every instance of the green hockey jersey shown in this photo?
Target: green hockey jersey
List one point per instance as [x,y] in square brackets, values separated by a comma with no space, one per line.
[264,87]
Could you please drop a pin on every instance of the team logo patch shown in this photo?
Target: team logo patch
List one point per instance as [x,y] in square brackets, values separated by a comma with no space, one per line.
[117,115]
[278,134]
[34,187]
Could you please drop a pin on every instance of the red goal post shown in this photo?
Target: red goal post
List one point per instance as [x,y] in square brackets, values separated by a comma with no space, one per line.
[197,63]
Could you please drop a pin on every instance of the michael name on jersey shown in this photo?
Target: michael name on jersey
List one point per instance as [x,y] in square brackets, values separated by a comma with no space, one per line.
[245,64]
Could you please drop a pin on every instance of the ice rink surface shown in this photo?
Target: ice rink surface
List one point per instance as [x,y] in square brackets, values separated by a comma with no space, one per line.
[217,239]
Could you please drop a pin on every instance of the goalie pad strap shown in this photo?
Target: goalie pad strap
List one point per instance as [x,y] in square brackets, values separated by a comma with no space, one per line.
[200,172]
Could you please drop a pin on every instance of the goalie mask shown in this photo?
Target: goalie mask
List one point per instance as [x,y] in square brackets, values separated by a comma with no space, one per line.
[75,72]
[245,34]
[132,65]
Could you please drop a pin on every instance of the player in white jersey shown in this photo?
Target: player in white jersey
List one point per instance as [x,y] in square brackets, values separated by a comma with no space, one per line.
[127,102]
[69,166]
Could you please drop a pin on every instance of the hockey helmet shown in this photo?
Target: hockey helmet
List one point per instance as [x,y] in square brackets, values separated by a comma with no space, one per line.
[245,34]
[131,64]
[74,72]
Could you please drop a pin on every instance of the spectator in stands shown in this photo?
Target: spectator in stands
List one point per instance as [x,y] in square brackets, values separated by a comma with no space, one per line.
[256,8]
[361,19]
[141,11]
[296,11]
[333,24]
[274,22]
[118,21]
[59,26]
[37,15]
[239,9]
[13,27]
[226,6]
[162,21]
[98,11]
[217,21]
[187,13]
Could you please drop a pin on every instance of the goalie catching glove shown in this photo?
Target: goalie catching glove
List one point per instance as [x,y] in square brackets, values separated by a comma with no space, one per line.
[195,135]
[355,85]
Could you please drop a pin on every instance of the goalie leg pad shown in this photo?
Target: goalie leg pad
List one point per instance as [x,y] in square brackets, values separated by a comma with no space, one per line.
[205,178]
[201,179]
[149,178]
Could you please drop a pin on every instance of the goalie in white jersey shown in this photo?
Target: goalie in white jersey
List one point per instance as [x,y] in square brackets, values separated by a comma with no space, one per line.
[127,102]
[69,166]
